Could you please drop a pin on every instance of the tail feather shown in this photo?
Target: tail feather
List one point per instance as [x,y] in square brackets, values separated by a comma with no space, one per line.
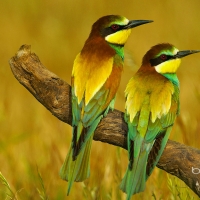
[78,144]
[135,177]
[82,135]
[84,171]
[76,166]
[79,169]
[157,151]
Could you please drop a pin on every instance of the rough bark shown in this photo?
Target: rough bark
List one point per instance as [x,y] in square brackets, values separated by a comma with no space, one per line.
[54,93]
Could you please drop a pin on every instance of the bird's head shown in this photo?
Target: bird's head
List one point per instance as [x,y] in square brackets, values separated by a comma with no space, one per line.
[115,29]
[165,58]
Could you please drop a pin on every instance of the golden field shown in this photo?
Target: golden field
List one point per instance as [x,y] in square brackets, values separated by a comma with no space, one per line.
[33,143]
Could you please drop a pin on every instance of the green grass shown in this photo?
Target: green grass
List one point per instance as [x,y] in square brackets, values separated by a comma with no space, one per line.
[179,191]
[8,191]
[42,191]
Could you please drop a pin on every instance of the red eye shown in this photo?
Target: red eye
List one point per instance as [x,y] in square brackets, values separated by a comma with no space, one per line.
[163,57]
[115,27]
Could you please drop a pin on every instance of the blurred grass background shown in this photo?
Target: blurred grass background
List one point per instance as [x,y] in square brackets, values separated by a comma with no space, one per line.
[33,143]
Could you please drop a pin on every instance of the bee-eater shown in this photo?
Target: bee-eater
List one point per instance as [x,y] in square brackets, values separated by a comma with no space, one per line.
[95,79]
[152,104]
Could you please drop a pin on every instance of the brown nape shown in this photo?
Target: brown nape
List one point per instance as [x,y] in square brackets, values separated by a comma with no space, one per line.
[131,154]
[154,152]
[77,146]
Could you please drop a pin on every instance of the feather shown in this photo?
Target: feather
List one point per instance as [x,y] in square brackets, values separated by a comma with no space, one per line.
[150,114]
[95,81]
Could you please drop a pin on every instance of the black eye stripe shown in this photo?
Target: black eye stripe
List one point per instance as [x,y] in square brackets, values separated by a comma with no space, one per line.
[109,30]
[160,59]
[115,27]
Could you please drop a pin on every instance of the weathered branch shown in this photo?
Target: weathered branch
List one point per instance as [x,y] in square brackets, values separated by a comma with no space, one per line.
[178,159]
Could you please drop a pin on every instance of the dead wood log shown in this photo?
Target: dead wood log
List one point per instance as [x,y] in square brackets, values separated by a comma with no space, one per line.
[54,93]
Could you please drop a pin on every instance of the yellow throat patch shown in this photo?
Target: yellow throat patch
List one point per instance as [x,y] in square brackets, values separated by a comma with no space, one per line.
[119,37]
[170,66]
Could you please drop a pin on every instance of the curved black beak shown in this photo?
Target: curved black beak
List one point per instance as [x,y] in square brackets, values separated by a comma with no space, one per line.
[181,54]
[134,23]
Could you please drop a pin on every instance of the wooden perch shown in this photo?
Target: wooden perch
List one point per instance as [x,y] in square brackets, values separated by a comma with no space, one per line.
[55,94]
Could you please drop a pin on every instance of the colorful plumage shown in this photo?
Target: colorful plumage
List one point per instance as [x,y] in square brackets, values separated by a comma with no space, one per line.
[95,79]
[152,104]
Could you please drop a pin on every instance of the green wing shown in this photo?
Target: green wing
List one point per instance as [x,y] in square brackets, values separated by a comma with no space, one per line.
[86,118]
[164,127]
[146,142]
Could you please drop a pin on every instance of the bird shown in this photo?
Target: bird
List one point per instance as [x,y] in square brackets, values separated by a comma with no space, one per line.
[151,107]
[95,79]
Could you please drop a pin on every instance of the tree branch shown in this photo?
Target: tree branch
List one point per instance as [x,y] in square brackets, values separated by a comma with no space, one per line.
[55,94]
